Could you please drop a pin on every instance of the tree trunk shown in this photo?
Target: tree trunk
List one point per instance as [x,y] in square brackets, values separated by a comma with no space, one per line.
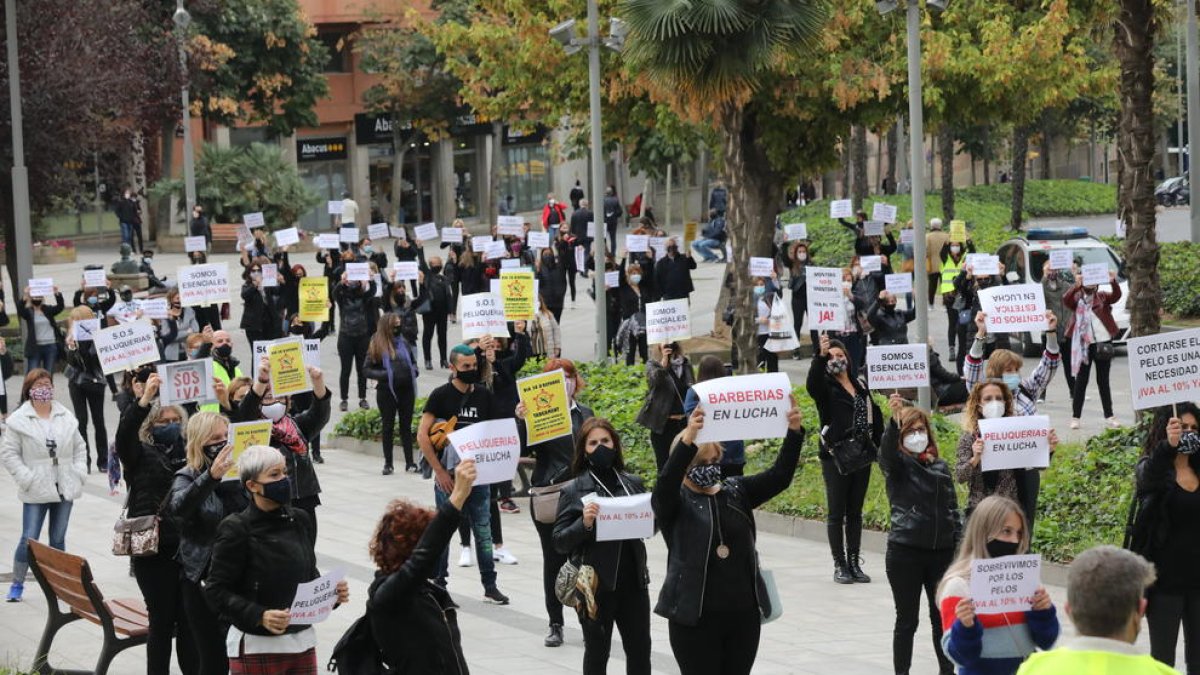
[399,150]
[987,156]
[878,162]
[892,144]
[1047,174]
[164,217]
[137,171]
[1134,37]
[858,162]
[846,162]
[1020,152]
[494,179]
[754,191]
[946,146]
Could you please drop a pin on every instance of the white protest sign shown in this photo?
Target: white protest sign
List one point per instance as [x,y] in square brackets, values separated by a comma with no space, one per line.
[452,235]
[883,212]
[612,279]
[126,346]
[983,264]
[761,267]
[41,288]
[334,207]
[270,279]
[908,236]
[873,228]
[826,301]
[154,308]
[513,226]
[347,235]
[481,314]
[186,382]
[312,353]
[1095,274]
[84,330]
[658,245]
[1014,309]
[580,258]
[377,230]
[898,284]
[538,239]
[1120,229]
[426,232]
[479,243]
[494,249]
[745,406]
[871,263]
[327,241]
[666,321]
[898,366]
[796,231]
[195,244]
[1021,442]
[260,349]
[591,229]
[398,233]
[94,279]
[637,243]
[1005,584]
[358,271]
[1164,369]
[626,517]
[203,284]
[509,263]
[406,271]
[495,447]
[1060,259]
[841,208]
[315,599]
[288,236]
[253,220]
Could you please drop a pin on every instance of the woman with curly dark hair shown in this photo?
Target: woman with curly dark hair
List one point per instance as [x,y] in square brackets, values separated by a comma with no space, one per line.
[414,621]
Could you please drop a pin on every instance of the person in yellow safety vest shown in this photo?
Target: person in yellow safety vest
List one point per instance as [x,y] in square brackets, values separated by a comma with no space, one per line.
[1106,602]
[953,256]
[219,344]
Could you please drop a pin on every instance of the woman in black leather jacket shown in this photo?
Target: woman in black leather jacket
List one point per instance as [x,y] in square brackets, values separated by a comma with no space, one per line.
[413,620]
[925,526]
[86,383]
[713,596]
[198,503]
[621,593]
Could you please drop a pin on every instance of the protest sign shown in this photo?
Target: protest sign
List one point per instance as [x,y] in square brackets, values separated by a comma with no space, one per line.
[744,406]
[547,407]
[495,447]
[84,330]
[761,267]
[494,250]
[334,206]
[1014,309]
[314,299]
[1095,274]
[315,600]
[312,353]
[479,243]
[154,308]
[245,239]
[580,258]
[258,351]
[270,279]
[826,300]
[203,284]
[513,226]
[377,231]
[1060,259]
[841,208]
[41,288]
[871,263]
[481,314]
[1164,369]
[908,236]
[286,361]
[186,382]
[358,271]
[347,235]
[243,435]
[1021,442]
[984,264]
[509,263]
[288,236]
[426,232]
[796,231]
[327,242]
[612,279]
[882,212]
[452,235]
[689,231]
[625,517]
[658,245]
[195,244]
[958,231]
[873,228]
[591,229]
[516,292]
[538,239]
[253,220]
[126,346]
[95,279]
[898,284]
[1005,584]
[637,243]
[898,366]
[398,233]
[1120,230]
[667,320]
[406,271]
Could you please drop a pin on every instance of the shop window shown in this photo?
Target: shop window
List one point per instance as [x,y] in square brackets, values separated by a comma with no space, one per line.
[524,177]
[337,46]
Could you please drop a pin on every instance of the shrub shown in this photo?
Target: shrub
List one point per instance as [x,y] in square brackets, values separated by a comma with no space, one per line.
[1180,277]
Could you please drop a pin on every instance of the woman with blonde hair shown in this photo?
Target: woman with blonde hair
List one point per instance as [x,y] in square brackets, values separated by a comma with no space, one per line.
[992,644]
[545,336]
[86,383]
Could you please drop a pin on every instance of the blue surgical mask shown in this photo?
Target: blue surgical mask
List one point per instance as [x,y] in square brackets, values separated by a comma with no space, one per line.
[1012,380]
[93,300]
[635,278]
[759,290]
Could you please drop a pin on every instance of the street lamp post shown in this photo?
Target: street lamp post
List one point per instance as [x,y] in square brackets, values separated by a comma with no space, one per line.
[1193,107]
[182,21]
[22,232]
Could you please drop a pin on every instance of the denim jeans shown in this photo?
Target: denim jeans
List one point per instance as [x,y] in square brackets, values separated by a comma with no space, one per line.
[475,510]
[43,356]
[127,233]
[704,248]
[32,517]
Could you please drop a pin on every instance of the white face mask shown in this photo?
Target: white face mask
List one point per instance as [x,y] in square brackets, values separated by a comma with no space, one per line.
[274,411]
[993,409]
[916,442]
[801,257]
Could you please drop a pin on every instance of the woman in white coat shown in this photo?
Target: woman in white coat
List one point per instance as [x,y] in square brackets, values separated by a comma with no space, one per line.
[47,457]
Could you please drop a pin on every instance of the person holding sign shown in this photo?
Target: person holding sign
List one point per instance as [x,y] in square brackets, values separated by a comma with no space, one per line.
[992,643]
[714,596]
[412,618]
[925,524]
[354,301]
[667,380]
[86,383]
[632,296]
[796,258]
[261,309]
[42,334]
[391,362]
[1055,284]
[552,274]
[619,594]
[436,293]
[673,273]
[1090,331]
[967,286]
[891,326]
[763,300]
[259,558]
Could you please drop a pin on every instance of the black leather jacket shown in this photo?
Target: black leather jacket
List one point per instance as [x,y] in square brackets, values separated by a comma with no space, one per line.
[572,539]
[414,621]
[924,505]
[554,456]
[891,325]
[310,422]
[685,517]
[149,470]
[198,508]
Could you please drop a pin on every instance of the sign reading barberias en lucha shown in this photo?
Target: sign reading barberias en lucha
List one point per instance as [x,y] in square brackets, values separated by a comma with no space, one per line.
[746,406]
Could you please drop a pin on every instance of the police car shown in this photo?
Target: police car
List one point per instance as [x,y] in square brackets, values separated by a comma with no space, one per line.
[1024,257]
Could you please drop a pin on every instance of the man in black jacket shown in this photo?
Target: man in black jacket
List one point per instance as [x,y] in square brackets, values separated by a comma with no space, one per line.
[576,195]
[891,326]
[612,215]
[435,289]
[673,274]
[129,215]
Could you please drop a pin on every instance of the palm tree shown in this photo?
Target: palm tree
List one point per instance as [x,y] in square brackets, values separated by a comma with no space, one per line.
[712,58]
[1135,29]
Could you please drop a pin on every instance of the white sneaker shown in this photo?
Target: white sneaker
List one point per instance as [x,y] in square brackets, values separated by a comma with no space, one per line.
[1075,423]
[464,558]
[502,556]
[1114,423]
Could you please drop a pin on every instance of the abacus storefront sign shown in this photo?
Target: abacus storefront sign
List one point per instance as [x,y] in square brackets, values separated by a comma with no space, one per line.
[320,149]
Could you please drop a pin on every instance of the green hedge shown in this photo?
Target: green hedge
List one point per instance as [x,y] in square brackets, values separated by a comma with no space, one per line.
[1180,277]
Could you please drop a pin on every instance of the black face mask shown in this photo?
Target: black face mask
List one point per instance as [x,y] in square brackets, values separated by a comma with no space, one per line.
[297,330]
[436,269]
[602,457]
[126,297]
[223,351]
[213,449]
[998,549]
[467,376]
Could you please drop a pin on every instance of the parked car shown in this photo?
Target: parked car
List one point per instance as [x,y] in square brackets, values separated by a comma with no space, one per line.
[1024,257]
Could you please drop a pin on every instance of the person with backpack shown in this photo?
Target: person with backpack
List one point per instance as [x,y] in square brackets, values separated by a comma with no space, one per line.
[433,304]
[713,236]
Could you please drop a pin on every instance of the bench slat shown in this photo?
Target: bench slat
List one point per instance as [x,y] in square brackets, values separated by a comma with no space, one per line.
[66,573]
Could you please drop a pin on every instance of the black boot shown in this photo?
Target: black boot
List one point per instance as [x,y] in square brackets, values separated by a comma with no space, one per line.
[555,638]
[853,563]
[841,572]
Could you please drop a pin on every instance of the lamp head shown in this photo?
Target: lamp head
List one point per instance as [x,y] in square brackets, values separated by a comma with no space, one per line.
[181,17]
[939,5]
[564,34]
[886,6]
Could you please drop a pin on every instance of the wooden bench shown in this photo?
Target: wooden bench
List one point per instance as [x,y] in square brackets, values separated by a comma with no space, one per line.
[225,237]
[68,578]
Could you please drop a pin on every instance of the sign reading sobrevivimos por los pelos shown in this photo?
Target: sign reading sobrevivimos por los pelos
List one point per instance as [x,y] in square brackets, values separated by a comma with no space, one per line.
[1005,584]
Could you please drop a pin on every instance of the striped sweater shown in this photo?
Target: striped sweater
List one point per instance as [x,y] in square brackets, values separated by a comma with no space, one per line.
[997,643]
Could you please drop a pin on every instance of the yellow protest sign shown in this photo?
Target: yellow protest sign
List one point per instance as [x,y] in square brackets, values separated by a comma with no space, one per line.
[314,299]
[516,295]
[689,231]
[286,360]
[547,408]
[958,231]
[243,435]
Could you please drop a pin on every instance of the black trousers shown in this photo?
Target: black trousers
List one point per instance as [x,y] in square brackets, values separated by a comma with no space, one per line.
[391,409]
[661,441]
[628,608]
[722,643]
[844,497]
[643,350]
[556,311]
[552,561]
[352,350]
[209,316]
[1103,367]
[951,328]
[911,570]
[1064,350]
[83,401]
[158,578]
[433,322]
[935,281]
[208,631]
[1165,611]
[770,360]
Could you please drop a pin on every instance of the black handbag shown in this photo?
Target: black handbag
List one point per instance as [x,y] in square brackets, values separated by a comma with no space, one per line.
[856,451]
[1105,351]
[425,307]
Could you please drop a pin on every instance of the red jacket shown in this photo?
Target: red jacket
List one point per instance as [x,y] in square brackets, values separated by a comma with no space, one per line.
[1101,306]
[562,214]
